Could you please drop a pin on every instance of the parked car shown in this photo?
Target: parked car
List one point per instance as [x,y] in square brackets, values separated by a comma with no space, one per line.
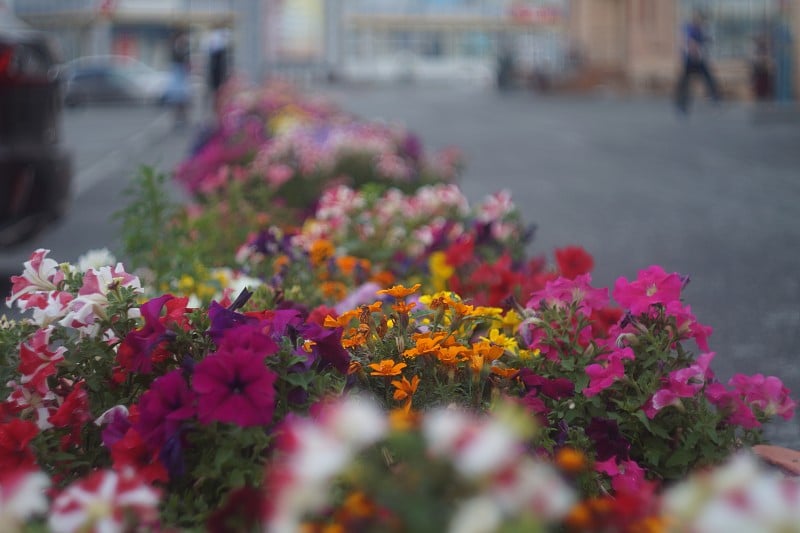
[113,79]
[35,170]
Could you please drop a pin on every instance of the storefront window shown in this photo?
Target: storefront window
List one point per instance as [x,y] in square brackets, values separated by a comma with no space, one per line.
[733,24]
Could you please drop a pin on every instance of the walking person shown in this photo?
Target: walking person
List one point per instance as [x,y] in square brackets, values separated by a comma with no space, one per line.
[695,62]
[218,58]
[178,92]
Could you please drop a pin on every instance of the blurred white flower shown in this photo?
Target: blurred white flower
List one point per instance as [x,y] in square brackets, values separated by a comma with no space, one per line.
[95,259]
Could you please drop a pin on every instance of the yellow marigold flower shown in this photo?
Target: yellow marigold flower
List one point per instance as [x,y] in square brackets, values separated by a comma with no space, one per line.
[441,271]
[570,460]
[529,354]
[320,250]
[476,363]
[387,367]
[205,290]
[186,284]
[497,338]
[488,312]
[405,389]
[399,291]
[512,320]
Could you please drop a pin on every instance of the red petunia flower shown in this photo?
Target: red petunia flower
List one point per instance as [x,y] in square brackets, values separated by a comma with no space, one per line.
[15,452]
[573,261]
[132,452]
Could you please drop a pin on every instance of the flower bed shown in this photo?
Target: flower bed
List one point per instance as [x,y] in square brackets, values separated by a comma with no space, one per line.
[385,360]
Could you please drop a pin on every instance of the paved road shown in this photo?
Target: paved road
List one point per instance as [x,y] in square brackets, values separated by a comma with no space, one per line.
[108,144]
[715,195]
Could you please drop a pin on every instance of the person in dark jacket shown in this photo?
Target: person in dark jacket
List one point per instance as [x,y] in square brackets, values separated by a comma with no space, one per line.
[695,62]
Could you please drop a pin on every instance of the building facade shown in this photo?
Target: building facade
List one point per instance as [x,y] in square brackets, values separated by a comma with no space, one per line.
[136,28]
[450,39]
[638,42]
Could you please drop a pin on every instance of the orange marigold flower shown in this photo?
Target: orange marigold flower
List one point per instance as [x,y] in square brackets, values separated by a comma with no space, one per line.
[399,291]
[476,363]
[579,517]
[451,355]
[488,350]
[354,367]
[503,372]
[403,308]
[341,321]
[357,505]
[320,251]
[383,278]
[424,345]
[387,367]
[405,389]
[404,418]
[570,460]
[346,263]
[280,262]
[334,289]
[353,338]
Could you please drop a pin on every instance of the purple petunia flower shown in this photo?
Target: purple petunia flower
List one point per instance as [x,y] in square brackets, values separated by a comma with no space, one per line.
[235,387]
[164,407]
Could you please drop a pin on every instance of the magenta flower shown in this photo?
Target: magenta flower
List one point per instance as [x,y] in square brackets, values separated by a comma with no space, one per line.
[235,387]
[739,413]
[652,286]
[164,407]
[562,292]
[627,477]
[603,375]
[767,394]
[134,354]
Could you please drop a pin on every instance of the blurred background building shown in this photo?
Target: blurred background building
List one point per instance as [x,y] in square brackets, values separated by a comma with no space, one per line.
[629,45]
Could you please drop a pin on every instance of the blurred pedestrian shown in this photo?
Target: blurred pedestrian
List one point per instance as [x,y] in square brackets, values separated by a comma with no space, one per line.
[695,61]
[782,54]
[218,59]
[178,92]
[762,71]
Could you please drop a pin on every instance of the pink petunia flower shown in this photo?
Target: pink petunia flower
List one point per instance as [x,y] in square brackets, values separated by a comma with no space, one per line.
[41,274]
[563,292]
[767,394]
[90,305]
[652,286]
[105,501]
[37,361]
[682,383]
[603,375]
[235,387]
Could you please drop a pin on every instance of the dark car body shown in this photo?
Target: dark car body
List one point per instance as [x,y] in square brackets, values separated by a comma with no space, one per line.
[35,170]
